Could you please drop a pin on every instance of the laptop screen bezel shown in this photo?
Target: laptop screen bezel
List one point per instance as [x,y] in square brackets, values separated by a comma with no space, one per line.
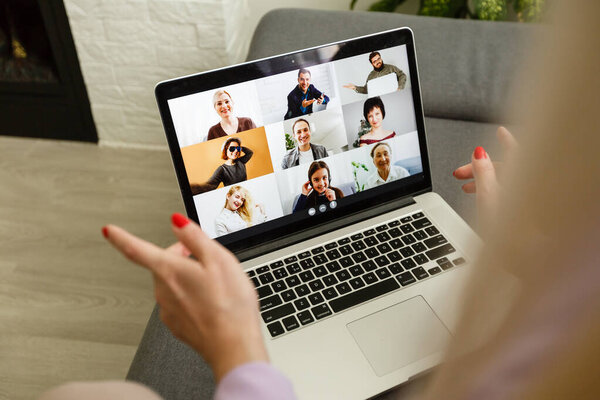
[210,80]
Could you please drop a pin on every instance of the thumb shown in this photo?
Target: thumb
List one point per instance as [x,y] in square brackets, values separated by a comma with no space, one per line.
[487,188]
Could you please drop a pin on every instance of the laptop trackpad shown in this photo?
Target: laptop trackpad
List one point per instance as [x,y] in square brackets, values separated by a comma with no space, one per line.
[399,335]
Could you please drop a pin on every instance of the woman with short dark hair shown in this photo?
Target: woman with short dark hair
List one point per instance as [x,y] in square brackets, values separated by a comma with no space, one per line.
[374,113]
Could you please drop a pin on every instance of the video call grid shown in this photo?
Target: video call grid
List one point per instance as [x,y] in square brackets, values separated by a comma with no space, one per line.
[276,182]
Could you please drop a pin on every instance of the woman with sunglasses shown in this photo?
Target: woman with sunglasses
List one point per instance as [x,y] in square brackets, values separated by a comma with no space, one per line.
[233,170]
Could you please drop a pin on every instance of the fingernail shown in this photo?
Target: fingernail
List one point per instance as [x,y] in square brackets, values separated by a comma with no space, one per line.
[479,153]
[179,220]
[454,173]
[105,231]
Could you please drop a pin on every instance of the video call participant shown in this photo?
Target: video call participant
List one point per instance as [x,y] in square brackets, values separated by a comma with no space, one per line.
[229,124]
[379,69]
[381,154]
[302,97]
[374,113]
[319,178]
[233,170]
[306,151]
[239,212]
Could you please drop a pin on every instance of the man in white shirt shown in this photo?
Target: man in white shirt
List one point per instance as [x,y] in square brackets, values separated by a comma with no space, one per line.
[305,152]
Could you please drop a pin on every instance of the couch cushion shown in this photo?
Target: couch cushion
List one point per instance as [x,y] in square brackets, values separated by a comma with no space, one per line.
[466,67]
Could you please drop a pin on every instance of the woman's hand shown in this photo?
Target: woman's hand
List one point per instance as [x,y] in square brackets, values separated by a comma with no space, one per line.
[330,194]
[485,182]
[306,188]
[209,303]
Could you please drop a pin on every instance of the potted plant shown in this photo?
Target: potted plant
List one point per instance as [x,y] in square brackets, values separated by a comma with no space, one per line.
[491,10]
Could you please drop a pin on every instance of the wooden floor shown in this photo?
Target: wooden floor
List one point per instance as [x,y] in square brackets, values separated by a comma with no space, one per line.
[71,308]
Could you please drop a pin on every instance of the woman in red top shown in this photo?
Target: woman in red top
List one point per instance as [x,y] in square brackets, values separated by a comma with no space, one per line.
[374,112]
[229,124]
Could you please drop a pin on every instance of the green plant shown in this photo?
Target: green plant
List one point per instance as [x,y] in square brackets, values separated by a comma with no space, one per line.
[356,167]
[365,127]
[491,10]
[289,142]
[529,10]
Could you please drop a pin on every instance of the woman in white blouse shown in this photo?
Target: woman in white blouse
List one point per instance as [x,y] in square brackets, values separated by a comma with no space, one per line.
[386,172]
[239,212]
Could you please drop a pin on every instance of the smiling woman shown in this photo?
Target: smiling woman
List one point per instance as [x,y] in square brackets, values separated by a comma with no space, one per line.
[233,170]
[374,113]
[229,124]
[317,190]
[386,172]
[239,211]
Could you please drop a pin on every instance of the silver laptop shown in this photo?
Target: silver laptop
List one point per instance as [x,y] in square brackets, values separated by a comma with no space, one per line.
[325,196]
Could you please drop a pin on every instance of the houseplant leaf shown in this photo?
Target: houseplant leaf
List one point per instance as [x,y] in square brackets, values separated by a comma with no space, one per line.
[385,5]
[443,8]
[529,10]
[491,10]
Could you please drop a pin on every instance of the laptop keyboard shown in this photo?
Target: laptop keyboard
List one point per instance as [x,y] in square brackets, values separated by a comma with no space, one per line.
[316,283]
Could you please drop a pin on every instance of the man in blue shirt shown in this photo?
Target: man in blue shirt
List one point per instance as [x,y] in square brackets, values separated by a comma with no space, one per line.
[301,99]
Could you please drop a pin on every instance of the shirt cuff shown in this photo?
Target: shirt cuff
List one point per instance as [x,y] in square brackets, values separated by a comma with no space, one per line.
[254,381]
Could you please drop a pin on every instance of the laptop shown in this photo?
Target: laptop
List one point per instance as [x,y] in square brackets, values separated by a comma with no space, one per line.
[358,264]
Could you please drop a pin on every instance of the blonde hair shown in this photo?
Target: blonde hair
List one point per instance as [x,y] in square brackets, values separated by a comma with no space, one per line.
[544,344]
[219,93]
[246,210]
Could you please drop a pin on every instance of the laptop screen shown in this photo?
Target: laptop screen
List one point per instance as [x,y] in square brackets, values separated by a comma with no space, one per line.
[269,147]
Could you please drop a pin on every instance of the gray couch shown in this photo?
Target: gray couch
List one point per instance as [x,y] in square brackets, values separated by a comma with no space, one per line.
[466,69]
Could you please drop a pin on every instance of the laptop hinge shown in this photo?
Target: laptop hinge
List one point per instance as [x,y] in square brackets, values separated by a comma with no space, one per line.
[342,222]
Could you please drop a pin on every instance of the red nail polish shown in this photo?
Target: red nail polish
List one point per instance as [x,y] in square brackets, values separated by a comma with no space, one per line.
[105,231]
[479,153]
[179,220]
[454,173]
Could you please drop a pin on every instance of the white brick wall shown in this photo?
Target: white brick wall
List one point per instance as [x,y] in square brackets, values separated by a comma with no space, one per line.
[125,47]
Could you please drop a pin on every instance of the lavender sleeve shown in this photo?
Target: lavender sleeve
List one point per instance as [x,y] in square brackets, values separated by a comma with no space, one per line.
[255,381]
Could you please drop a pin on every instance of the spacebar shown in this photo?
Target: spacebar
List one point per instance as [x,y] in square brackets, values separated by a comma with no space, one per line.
[362,295]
